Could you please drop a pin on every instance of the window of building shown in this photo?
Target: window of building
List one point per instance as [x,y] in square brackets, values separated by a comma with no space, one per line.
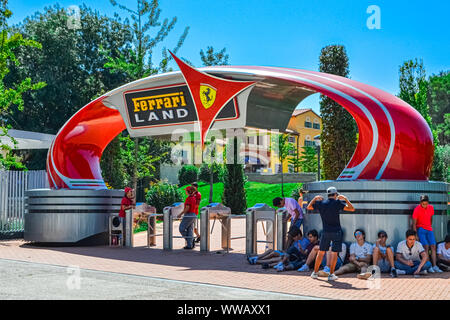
[316,124]
[308,123]
[291,139]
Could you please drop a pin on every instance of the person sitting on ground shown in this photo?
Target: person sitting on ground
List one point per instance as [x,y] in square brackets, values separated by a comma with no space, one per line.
[383,255]
[269,257]
[443,254]
[298,252]
[198,198]
[296,213]
[411,256]
[422,223]
[326,262]
[360,257]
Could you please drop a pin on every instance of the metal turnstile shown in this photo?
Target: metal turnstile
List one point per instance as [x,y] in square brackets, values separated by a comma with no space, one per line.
[115,231]
[260,212]
[282,216]
[169,214]
[215,211]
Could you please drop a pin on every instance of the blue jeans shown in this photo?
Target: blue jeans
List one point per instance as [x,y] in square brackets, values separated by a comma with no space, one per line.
[409,269]
[187,228]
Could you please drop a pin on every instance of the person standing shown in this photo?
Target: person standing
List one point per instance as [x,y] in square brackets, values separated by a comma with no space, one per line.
[198,198]
[332,232]
[296,213]
[128,202]
[187,224]
[422,224]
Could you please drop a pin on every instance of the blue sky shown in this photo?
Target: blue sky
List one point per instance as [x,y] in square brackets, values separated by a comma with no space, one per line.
[291,33]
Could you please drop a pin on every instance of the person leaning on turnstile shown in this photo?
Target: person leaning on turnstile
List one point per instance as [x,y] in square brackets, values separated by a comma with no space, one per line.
[296,213]
[128,202]
[187,224]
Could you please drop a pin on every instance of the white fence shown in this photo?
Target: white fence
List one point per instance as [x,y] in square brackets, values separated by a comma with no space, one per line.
[13,185]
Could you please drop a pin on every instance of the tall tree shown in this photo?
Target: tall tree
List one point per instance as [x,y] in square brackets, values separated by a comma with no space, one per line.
[307,162]
[339,132]
[11,94]
[139,62]
[439,104]
[414,87]
[284,150]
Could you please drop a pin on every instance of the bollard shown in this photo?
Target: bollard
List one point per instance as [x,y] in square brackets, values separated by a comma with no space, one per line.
[168,215]
[260,212]
[223,214]
[281,228]
[128,228]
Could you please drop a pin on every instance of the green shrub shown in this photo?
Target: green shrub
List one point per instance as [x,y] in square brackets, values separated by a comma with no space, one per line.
[163,194]
[187,175]
[204,174]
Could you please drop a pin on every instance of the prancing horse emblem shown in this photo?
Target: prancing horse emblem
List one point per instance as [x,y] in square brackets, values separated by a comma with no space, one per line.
[207,95]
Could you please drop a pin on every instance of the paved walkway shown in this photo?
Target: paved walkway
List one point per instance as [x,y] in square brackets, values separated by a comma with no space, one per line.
[231,270]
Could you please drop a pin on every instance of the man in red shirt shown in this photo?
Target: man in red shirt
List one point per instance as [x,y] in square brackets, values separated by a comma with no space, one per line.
[422,221]
[187,224]
[198,197]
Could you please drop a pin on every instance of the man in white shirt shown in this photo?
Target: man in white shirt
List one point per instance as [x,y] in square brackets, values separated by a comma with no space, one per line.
[360,256]
[411,256]
[443,254]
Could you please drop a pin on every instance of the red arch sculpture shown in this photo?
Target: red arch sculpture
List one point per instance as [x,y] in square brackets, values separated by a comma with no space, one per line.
[395,142]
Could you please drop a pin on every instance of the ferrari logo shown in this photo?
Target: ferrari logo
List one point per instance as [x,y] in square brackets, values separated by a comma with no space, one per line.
[207,95]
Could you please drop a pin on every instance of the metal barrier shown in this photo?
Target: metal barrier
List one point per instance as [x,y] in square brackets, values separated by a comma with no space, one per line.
[115,231]
[128,238]
[282,216]
[260,212]
[215,211]
[168,215]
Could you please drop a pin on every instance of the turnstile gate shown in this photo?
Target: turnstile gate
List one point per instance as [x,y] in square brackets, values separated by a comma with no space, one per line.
[260,212]
[215,211]
[282,216]
[168,216]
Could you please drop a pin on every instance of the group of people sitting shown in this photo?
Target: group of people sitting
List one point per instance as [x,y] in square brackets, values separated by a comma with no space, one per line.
[328,256]
[409,257]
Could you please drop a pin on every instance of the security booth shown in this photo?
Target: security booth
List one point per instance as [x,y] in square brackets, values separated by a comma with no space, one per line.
[264,213]
[168,215]
[215,211]
[282,216]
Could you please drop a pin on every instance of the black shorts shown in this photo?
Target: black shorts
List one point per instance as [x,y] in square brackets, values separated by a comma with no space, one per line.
[328,237]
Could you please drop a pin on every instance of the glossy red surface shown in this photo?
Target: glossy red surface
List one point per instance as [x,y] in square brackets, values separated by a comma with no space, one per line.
[394,143]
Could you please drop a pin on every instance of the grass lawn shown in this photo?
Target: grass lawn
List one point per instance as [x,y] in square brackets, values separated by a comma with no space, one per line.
[257,192]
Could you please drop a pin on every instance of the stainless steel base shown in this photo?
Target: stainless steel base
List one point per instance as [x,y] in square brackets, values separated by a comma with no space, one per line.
[69,216]
[382,205]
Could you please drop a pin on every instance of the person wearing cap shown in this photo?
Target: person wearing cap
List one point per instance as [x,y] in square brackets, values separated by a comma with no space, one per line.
[296,213]
[329,210]
[383,255]
[187,224]
[128,202]
[198,198]
[422,223]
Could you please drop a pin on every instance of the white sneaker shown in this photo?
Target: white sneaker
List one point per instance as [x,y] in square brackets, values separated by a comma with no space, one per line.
[332,277]
[314,275]
[400,272]
[424,272]
[431,270]
[436,268]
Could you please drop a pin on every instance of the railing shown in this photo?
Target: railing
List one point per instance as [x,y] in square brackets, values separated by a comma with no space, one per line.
[13,185]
